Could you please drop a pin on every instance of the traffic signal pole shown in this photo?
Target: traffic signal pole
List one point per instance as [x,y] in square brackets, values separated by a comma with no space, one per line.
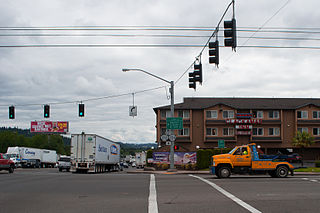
[172,131]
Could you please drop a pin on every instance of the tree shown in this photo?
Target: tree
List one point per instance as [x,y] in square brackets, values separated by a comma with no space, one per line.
[302,140]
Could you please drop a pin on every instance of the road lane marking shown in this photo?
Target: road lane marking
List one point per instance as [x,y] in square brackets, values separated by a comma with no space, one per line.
[314,180]
[229,195]
[305,178]
[153,205]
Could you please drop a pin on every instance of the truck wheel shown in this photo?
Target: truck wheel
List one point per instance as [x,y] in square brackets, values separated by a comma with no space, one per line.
[11,169]
[282,171]
[224,172]
[60,169]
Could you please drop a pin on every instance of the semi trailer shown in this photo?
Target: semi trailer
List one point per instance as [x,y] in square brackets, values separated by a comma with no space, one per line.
[94,154]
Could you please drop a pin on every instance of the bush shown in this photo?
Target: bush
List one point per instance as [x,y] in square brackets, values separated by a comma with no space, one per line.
[165,166]
[317,163]
[204,156]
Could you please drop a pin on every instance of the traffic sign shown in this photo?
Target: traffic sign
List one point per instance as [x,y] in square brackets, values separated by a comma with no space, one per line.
[164,138]
[221,144]
[172,138]
[174,123]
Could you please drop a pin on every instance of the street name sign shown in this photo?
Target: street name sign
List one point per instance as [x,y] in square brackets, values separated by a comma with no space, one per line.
[174,123]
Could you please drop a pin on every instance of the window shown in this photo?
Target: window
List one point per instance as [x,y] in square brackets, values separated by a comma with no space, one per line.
[316,131]
[303,129]
[274,131]
[183,132]
[316,114]
[165,113]
[183,114]
[212,131]
[302,114]
[237,152]
[273,114]
[257,131]
[228,131]
[211,114]
[257,114]
[228,114]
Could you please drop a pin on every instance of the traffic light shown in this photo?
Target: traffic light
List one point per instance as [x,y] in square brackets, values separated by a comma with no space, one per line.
[214,52]
[176,147]
[11,112]
[192,81]
[46,111]
[81,110]
[198,72]
[230,34]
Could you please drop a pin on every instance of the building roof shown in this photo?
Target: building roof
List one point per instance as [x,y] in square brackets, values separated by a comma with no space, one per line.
[244,103]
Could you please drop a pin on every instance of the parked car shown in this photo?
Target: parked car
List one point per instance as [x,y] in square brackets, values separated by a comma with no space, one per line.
[294,158]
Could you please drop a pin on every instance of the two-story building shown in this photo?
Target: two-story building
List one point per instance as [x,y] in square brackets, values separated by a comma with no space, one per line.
[269,122]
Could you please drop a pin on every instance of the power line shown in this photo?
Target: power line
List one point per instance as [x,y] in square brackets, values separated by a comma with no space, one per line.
[88,100]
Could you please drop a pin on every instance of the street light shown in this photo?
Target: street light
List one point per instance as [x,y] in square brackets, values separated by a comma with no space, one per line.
[171,109]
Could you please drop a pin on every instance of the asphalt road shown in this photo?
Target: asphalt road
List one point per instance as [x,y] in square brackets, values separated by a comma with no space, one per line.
[47,190]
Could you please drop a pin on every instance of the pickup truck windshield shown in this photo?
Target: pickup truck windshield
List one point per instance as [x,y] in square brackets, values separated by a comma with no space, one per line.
[233,150]
[64,159]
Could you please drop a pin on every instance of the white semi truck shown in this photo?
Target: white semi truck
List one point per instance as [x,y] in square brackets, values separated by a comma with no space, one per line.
[32,157]
[25,156]
[93,153]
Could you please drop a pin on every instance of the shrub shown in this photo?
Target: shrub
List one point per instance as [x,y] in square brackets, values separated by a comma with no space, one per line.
[317,163]
[204,156]
[164,166]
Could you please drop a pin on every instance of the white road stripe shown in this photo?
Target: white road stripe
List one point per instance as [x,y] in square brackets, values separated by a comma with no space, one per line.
[314,180]
[305,178]
[153,205]
[229,195]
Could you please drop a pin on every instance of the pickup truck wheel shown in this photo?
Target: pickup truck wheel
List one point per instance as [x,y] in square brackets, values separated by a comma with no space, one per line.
[224,172]
[11,169]
[282,171]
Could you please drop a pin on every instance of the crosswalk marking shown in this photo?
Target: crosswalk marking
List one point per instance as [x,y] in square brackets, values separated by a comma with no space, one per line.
[153,205]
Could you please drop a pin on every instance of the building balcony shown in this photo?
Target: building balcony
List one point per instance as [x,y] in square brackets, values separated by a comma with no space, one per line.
[308,122]
[215,139]
[267,139]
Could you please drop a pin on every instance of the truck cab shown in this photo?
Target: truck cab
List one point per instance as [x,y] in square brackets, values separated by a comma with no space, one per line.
[245,160]
[6,163]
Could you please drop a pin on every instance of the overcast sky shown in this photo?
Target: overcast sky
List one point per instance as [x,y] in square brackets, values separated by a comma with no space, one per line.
[41,75]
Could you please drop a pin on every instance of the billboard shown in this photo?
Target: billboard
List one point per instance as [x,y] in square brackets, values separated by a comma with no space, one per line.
[49,126]
[179,157]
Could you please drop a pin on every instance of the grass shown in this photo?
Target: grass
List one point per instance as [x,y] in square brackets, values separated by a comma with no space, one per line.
[310,169]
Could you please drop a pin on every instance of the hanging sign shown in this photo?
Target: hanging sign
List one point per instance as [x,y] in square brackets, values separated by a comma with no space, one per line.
[133,111]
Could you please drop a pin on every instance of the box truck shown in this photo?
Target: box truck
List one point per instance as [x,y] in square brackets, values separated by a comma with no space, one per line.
[94,154]
[48,158]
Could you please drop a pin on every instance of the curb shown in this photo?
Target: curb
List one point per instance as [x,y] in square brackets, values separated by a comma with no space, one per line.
[204,172]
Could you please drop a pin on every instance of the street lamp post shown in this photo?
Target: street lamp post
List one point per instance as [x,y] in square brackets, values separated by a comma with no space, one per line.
[171,109]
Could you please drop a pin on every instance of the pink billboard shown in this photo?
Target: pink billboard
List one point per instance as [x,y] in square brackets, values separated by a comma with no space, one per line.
[49,126]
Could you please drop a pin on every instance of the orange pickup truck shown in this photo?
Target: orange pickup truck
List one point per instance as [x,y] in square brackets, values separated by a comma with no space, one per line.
[245,160]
